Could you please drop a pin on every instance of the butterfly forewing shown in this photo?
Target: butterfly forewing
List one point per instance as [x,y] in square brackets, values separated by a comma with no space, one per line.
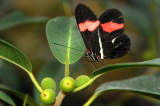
[87,23]
[83,13]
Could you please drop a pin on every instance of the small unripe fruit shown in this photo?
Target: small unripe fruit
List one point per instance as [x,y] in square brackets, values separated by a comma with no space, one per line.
[48,96]
[81,80]
[67,84]
[48,83]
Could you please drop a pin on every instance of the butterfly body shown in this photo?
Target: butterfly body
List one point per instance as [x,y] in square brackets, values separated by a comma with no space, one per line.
[104,36]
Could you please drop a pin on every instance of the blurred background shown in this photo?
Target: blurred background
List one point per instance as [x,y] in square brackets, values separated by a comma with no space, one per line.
[23,22]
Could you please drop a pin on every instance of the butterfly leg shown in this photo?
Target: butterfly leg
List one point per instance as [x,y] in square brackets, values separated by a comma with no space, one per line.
[94,65]
[102,63]
[90,66]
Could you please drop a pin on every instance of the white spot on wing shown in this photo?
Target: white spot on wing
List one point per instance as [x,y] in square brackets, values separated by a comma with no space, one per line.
[114,40]
[100,44]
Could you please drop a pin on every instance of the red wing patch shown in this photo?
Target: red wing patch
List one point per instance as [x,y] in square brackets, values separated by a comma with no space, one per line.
[111,26]
[90,25]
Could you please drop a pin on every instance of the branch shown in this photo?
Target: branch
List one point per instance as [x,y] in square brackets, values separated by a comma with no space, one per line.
[59,98]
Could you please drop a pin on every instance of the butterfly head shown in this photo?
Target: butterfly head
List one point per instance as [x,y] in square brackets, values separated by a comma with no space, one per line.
[91,56]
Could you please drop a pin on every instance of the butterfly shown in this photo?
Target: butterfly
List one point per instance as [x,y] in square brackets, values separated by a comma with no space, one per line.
[104,37]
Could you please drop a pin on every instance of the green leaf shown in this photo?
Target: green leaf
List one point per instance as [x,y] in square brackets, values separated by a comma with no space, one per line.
[64,32]
[108,68]
[18,18]
[146,85]
[6,98]
[20,95]
[13,55]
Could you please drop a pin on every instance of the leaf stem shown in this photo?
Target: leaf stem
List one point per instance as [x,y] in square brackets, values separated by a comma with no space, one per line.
[92,98]
[67,65]
[35,82]
[86,84]
[25,100]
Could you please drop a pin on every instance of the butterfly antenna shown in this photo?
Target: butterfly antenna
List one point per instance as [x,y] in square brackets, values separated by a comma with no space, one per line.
[67,47]
[90,66]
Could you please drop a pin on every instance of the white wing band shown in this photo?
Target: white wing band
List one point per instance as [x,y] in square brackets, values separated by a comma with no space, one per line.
[100,44]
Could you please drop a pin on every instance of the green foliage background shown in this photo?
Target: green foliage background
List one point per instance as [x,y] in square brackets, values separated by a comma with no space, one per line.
[23,24]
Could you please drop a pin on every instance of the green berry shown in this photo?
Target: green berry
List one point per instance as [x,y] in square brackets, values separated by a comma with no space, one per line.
[48,83]
[82,79]
[48,96]
[67,84]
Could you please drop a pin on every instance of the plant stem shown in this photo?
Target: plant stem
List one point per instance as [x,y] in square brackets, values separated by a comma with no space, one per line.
[59,98]
[86,84]
[67,70]
[67,65]
[35,82]
[92,98]
[25,100]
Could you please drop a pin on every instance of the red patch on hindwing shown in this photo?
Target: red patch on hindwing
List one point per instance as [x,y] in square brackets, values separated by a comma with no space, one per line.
[90,25]
[111,26]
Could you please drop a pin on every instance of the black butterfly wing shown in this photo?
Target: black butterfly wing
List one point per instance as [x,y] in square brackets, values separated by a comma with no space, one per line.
[87,23]
[115,43]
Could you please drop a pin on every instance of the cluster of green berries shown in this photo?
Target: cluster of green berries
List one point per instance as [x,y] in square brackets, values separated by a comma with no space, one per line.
[67,85]
[48,96]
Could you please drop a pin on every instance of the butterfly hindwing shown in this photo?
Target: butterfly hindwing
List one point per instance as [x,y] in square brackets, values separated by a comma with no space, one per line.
[115,45]
[114,42]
